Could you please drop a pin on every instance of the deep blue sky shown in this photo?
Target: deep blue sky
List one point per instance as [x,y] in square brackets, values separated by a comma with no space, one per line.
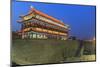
[81,19]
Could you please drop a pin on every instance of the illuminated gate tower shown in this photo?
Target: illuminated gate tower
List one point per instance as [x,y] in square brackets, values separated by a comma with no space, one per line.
[37,25]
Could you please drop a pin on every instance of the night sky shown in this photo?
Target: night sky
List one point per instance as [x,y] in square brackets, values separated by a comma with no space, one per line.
[81,19]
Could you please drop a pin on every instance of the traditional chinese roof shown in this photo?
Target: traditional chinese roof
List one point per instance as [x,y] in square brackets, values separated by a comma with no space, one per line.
[42,14]
[45,15]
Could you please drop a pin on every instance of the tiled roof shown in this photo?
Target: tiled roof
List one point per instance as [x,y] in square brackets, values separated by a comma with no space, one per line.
[47,16]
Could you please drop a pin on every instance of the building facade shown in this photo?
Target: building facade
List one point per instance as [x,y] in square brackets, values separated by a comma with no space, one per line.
[38,25]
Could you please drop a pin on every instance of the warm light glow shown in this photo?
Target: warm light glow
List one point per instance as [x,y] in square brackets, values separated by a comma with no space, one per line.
[38,29]
[48,20]
[94,38]
[27,29]
[28,16]
[44,30]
